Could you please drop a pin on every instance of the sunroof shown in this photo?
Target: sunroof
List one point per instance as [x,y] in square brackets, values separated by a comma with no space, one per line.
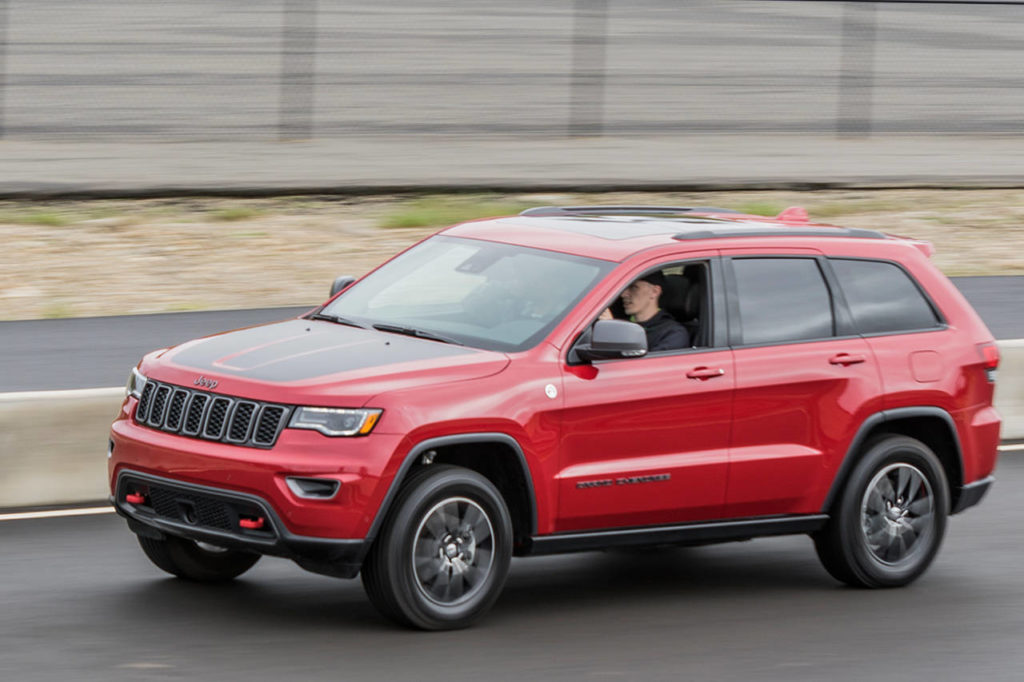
[628,227]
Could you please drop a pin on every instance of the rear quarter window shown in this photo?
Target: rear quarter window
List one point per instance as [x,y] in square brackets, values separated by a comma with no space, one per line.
[882,297]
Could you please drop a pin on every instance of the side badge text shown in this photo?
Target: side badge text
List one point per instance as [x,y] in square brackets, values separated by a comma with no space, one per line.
[624,480]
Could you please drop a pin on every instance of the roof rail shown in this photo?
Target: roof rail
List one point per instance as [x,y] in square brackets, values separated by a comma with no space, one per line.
[554,211]
[773,231]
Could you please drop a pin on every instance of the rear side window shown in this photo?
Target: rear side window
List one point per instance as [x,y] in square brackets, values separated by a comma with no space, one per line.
[782,299]
[882,297]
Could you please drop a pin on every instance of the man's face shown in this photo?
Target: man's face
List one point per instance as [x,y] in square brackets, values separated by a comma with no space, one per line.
[641,299]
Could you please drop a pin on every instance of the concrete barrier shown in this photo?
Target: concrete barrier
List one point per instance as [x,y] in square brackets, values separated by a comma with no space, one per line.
[53,446]
[53,443]
[1010,388]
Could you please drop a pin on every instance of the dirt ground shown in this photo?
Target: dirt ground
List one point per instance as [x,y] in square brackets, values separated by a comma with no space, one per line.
[87,258]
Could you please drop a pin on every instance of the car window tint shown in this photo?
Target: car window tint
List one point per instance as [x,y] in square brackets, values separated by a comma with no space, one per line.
[782,299]
[882,297]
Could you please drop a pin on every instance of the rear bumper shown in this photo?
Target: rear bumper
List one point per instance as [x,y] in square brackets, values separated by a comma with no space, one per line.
[971,494]
[211,515]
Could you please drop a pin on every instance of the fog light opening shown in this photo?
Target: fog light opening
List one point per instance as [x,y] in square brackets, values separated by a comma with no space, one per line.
[313,488]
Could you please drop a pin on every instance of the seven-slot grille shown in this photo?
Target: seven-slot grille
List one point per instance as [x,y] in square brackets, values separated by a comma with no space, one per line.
[197,414]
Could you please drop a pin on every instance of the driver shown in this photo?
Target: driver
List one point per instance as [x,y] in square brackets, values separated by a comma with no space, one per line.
[640,301]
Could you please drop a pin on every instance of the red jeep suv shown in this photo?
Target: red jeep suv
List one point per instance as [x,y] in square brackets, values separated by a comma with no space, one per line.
[504,388]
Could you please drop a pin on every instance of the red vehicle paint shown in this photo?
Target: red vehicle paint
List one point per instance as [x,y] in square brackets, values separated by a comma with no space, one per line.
[465,402]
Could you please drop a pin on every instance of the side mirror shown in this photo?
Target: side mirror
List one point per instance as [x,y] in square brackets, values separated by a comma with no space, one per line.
[613,339]
[340,283]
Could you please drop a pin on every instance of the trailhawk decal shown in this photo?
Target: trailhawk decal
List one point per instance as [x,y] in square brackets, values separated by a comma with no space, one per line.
[624,480]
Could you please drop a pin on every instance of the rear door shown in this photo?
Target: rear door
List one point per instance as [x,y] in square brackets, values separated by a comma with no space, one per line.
[804,381]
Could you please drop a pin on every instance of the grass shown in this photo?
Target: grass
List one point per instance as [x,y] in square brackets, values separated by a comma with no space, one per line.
[44,218]
[834,209]
[57,310]
[441,211]
[976,232]
[248,235]
[765,208]
[235,213]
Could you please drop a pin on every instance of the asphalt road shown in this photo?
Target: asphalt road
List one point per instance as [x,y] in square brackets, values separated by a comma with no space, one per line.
[78,601]
[94,352]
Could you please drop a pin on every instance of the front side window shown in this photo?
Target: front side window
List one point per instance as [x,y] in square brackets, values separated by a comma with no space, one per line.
[478,293]
[882,297]
[782,299]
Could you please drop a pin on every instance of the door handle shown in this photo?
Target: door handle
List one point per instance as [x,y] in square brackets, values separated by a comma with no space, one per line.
[845,359]
[705,372]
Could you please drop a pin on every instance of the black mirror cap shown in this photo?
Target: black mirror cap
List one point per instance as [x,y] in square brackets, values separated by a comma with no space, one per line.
[340,283]
[612,339]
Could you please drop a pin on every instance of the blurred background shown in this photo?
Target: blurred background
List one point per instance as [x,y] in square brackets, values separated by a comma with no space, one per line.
[149,70]
[184,157]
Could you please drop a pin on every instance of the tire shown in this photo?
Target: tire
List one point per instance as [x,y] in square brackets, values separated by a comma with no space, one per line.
[888,523]
[191,561]
[442,556]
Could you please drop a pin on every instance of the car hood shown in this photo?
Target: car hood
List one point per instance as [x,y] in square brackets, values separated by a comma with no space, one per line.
[317,362]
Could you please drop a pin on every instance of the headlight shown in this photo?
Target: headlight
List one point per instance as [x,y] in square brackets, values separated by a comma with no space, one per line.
[136,382]
[335,421]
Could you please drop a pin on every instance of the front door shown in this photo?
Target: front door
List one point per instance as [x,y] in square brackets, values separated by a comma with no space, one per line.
[645,440]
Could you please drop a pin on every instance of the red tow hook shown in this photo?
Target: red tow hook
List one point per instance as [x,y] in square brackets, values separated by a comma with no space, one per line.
[135,498]
[251,524]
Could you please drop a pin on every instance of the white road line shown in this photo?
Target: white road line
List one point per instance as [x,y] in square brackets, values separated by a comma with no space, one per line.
[1012,448]
[56,513]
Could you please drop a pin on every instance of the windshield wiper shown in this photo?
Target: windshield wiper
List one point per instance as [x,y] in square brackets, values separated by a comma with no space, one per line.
[418,333]
[337,319]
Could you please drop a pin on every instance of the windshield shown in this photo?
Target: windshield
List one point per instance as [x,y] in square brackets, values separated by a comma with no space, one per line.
[478,293]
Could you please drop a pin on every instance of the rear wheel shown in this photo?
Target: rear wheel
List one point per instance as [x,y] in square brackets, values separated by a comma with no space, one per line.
[442,557]
[889,521]
[196,561]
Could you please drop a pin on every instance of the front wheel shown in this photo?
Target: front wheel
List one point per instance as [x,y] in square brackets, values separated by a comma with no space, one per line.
[442,557]
[890,518]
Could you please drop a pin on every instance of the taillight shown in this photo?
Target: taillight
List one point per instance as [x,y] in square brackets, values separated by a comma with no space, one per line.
[989,359]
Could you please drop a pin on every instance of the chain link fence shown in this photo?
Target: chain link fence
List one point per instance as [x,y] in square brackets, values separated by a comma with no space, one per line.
[201,70]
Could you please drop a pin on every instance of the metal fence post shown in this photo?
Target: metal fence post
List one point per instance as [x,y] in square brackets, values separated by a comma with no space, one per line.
[3,63]
[856,70]
[586,108]
[298,49]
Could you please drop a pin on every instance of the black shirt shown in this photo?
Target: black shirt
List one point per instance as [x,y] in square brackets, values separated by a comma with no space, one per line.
[664,333]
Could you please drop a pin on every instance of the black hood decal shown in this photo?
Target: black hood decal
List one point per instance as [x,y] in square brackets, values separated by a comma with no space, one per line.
[297,350]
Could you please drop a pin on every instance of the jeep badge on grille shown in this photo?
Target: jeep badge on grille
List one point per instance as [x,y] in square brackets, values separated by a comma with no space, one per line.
[206,383]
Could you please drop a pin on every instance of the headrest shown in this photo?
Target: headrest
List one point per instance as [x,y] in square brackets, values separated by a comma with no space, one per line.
[673,294]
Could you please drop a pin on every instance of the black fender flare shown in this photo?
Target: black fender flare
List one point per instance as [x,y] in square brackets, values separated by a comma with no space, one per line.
[853,452]
[458,439]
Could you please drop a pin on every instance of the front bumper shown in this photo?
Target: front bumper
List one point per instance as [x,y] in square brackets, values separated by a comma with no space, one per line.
[212,515]
[358,467]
